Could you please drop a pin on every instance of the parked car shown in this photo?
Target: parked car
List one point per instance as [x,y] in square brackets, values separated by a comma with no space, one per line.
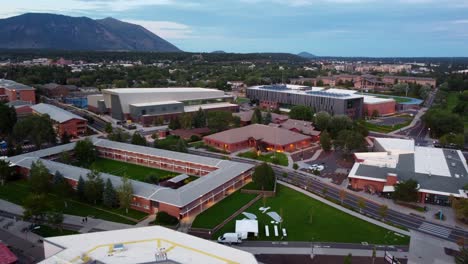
[230,238]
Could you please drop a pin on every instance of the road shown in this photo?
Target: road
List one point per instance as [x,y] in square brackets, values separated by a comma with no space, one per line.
[311,184]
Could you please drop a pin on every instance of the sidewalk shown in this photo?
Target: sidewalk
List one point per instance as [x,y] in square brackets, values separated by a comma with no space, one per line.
[341,208]
[415,120]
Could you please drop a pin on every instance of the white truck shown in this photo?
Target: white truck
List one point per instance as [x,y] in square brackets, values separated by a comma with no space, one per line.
[230,238]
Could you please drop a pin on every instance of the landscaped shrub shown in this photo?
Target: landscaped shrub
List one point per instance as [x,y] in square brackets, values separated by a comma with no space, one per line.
[295,166]
[163,218]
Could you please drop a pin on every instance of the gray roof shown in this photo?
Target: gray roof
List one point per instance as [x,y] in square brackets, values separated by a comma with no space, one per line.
[405,170]
[227,170]
[9,84]
[56,113]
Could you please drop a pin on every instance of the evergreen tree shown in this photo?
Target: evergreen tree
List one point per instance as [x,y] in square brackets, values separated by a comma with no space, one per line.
[109,197]
[199,119]
[267,120]
[80,187]
[94,187]
[138,139]
[256,117]
[39,178]
[65,139]
[181,146]
[61,187]
[174,123]
[125,193]
[85,152]
[325,141]
[5,171]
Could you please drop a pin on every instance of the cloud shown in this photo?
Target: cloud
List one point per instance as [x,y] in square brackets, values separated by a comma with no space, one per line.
[165,29]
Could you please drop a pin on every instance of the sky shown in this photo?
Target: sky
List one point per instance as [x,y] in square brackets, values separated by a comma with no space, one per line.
[372,28]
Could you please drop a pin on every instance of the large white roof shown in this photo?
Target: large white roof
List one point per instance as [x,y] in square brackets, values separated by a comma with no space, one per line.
[157,90]
[140,246]
[396,145]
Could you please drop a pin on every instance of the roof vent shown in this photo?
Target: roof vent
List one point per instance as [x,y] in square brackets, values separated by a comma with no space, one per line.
[453,164]
[457,176]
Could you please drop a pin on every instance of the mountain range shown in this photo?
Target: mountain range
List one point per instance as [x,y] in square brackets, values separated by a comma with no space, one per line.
[51,31]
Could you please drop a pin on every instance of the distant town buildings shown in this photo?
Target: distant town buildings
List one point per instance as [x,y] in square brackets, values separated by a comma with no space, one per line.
[145,105]
[12,91]
[440,173]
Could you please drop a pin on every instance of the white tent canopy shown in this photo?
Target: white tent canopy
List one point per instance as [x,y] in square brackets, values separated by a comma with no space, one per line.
[246,226]
[275,216]
[250,216]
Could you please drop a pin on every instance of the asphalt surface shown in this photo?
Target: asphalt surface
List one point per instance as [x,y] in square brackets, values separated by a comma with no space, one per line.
[311,184]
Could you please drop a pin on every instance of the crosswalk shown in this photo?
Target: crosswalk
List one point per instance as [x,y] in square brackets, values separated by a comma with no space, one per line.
[435,230]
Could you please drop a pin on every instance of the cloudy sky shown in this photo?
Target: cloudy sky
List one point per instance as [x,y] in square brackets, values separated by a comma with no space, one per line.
[323,27]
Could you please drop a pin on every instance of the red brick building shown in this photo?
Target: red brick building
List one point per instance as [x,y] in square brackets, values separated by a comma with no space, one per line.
[217,178]
[11,91]
[261,137]
[64,121]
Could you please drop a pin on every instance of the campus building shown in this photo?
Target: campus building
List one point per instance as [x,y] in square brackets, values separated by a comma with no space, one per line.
[440,173]
[276,96]
[260,137]
[145,105]
[383,106]
[154,244]
[12,91]
[64,122]
[390,80]
[217,178]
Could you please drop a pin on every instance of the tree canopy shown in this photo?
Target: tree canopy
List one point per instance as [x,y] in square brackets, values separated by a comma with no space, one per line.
[138,139]
[85,152]
[36,128]
[39,178]
[406,191]
[264,177]
[301,112]
[443,122]
[8,117]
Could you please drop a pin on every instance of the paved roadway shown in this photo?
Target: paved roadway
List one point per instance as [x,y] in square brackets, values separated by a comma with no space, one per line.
[312,184]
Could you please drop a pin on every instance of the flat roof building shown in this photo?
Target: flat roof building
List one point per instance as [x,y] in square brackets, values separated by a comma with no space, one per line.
[145,104]
[275,96]
[440,173]
[12,91]
[261,137]
[153,244]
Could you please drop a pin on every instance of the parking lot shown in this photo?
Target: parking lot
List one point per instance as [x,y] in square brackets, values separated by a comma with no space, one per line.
[335,167]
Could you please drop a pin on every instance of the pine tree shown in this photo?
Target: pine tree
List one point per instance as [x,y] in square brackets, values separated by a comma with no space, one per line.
[109,197]
[80,188]
[125,193]
[199,119]
[267,120]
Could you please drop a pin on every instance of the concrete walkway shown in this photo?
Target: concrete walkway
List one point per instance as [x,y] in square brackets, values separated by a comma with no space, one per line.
[341,208]
[428,249]
[415,120]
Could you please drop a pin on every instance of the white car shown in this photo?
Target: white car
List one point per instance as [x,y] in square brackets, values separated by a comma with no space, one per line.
[320,167]
[313,167]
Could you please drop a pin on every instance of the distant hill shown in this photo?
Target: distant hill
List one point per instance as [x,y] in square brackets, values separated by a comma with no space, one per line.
[51,31]
[306,55]
[219,51]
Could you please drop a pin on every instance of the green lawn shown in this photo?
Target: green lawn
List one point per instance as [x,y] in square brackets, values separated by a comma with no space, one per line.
[132,171]
[397,99]
[240,100]
[282,158]
[222,210]
[16,192]
[452,101]
[47,231]
[306,219]
[384,128]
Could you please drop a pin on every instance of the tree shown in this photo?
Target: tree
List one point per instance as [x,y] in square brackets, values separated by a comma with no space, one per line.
[109,196]
[138,139]
[401,88]
[375,114]
[37,128]
[85,152]
[462,257]
[125,193]
[451,138]
[383,210]
[39,178]
[181,146]
[295,166]
[347,259]
[349,141]
[361,204]
[35,207]
[442,122]
[108,128]
[256,116]
[65,138]
[174,123]
[199,119]
[8,117]
[80,187]
[342,195]
[94,187]
[325,141]
[5,171]
[322,120]
[119,135]
[61,187]
[186,121]
[301,112]
[268,119]
[55,219]
[219,120]
[460,206]
[338,124]
[406,191]
[264,177]
[424,91]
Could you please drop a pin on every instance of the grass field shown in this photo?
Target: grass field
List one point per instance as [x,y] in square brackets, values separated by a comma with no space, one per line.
[222,210]
[282,158]
[132,171]
[47,231]
[397,99]
[306,219]
[16,192]
[384,128]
